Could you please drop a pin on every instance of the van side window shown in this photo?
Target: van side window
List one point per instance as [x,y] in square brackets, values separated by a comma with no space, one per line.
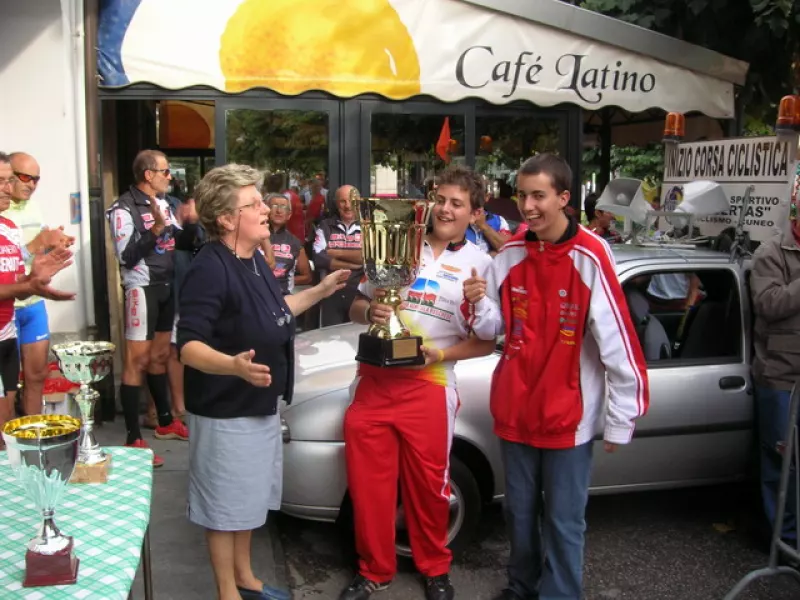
[686,316]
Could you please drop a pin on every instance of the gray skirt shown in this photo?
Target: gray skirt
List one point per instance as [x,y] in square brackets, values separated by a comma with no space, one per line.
[235,471]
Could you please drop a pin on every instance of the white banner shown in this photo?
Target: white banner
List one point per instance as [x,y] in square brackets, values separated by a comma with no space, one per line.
[763,162]
[396,48]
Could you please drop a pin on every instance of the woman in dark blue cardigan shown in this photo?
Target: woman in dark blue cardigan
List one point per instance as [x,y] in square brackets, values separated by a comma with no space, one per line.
[235,336]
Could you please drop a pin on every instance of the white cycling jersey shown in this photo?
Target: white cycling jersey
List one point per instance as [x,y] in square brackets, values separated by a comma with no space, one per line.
[434,306]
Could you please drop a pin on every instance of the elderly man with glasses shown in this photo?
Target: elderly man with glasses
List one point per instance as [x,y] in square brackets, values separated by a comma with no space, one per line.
[290,263]
[146,233]
[31,314]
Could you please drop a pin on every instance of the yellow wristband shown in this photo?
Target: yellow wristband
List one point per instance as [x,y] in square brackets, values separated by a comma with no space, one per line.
[440,358]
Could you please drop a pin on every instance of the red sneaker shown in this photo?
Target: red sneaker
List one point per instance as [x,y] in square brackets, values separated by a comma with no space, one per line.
[174,431]
[140,443]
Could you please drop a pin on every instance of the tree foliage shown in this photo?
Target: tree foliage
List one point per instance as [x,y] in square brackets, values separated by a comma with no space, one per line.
[764,33]
[279,140]
[640,162]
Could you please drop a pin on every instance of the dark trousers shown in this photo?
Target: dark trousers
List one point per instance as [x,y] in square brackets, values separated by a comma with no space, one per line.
[336,308]
[545,506]
[772,408]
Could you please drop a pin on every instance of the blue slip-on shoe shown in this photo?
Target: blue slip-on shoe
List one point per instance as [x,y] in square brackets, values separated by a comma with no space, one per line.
[266,593]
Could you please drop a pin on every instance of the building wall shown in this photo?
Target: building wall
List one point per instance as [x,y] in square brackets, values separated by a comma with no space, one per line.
[37,116]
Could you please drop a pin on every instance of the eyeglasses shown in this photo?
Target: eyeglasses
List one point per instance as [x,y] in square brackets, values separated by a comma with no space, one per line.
[259,204]
[280,207]
[8,182]
[164,171]
[25,178]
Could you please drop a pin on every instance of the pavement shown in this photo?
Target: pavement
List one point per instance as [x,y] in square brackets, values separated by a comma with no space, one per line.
[690,544]
[179,555]
[693,544]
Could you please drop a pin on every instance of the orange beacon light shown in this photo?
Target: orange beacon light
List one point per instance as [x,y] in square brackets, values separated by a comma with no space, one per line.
[674,128]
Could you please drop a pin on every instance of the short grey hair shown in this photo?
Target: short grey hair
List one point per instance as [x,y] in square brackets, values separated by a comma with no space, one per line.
[270,197]
[217,192]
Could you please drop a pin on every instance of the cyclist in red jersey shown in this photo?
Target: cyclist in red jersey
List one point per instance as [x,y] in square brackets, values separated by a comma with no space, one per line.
[14,283]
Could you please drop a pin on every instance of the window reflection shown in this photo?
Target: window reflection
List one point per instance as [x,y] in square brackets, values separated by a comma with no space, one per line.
[408,150]
[505,142]
[279,140]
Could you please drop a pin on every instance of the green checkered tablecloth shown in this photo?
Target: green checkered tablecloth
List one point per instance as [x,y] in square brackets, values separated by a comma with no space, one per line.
[107,522]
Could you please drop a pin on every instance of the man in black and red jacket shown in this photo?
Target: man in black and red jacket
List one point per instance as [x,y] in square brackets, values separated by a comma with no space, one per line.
[337,245]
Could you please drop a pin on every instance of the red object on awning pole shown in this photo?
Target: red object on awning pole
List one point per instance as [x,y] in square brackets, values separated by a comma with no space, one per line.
[443,145]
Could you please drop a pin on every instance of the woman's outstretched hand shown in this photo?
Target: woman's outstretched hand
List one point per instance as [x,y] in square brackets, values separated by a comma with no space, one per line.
[333,282]
[254,373]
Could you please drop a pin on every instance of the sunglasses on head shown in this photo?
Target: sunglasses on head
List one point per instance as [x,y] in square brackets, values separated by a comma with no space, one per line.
[25,178]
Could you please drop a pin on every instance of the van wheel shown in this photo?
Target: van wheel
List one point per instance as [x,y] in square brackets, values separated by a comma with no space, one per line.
[465,512]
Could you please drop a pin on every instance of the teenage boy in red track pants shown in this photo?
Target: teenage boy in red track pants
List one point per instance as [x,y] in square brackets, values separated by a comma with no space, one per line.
[400,423]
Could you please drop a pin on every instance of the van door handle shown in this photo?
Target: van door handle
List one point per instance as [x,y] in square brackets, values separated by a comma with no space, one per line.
[731,382]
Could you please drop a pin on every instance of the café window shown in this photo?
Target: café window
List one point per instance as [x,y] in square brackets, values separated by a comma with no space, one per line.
[274,140]
[408,150]
[504,142]
[185,132]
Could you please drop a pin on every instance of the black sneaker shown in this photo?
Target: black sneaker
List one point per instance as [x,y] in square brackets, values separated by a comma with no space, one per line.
[439,588]
[362,588]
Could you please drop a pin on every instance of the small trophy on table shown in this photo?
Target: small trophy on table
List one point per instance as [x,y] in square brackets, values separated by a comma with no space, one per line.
[392,233]
[84,363]
[42,450]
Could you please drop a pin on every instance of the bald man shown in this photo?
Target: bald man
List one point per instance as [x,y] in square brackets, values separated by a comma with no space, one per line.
[31,314]
[337,245]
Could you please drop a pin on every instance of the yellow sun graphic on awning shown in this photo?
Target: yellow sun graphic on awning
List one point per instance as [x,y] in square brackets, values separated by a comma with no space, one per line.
[345,48]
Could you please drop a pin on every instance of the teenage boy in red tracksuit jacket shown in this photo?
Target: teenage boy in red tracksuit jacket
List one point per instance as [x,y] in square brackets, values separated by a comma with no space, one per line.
[400,423]
[570,345]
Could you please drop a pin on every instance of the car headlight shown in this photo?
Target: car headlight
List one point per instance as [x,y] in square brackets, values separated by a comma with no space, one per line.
[286,433]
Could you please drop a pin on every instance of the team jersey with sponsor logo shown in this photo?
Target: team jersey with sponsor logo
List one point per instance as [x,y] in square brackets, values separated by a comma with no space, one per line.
[12,268]
[333,234]
[571,358]
[434,307]
[286,250]
[144,259]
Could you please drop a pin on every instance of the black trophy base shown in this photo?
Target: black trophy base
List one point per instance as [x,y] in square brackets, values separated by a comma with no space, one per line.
[403,352]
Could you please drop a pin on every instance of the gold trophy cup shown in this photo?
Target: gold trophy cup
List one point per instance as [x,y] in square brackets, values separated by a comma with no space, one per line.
[84,363]
[392,233]
[43,450]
